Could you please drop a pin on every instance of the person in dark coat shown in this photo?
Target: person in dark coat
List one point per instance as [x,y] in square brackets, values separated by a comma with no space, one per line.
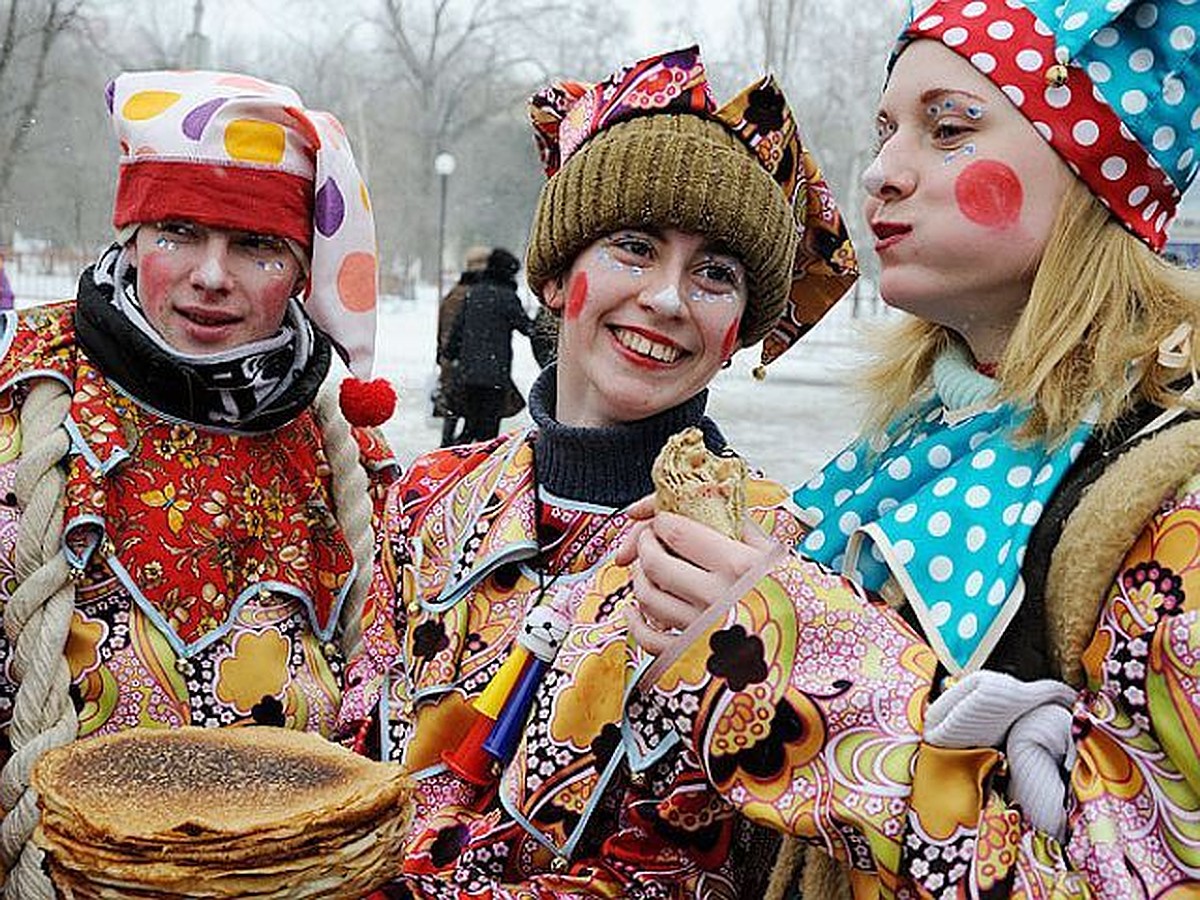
[445,397]
[481,341]
[544,338]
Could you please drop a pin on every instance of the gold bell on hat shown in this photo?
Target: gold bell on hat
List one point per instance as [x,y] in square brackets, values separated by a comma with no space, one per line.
[1057,74]
[759,373]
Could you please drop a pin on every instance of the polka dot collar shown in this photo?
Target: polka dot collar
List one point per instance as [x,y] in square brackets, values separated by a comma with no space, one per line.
[1110,84]
[943,507]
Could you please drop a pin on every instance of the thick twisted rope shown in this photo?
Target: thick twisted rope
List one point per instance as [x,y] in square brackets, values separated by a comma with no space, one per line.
[352,504]
[36,622]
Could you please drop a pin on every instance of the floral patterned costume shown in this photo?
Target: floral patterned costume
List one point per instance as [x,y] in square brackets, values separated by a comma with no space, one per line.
[587,805]
[803,709]
[210,568]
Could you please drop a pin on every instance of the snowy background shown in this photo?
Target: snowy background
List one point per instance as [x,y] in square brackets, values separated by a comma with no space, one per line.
[787,425]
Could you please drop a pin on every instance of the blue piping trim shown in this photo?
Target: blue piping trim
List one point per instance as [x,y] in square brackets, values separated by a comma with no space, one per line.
[8,331]
[186,650]
[33,374]
[84,449]
[577,833]
[81,560]
[385,738]
[638,762]
[452,594]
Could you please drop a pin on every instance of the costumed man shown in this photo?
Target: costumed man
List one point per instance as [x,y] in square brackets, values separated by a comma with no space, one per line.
[187,537]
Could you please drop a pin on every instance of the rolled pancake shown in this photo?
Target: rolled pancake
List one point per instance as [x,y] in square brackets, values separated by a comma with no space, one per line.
[694,482]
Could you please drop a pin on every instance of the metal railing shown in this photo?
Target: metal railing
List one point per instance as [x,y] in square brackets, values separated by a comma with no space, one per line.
[43,275]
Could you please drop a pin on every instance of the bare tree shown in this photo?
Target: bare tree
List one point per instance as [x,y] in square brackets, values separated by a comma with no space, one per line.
[31,31]
[454,68]
[831,57]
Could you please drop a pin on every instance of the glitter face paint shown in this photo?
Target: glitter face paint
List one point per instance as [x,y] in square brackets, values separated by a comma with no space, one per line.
[699,296]
[577,295]
[617,265]
[990,194]
[965,151]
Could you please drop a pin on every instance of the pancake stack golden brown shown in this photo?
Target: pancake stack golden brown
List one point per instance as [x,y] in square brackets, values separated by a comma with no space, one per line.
[691,481]
[228,812]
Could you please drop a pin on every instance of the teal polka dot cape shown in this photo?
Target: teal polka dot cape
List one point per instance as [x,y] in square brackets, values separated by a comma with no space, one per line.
[943,503]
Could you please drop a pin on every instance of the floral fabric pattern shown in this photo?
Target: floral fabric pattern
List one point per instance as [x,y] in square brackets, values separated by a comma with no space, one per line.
[209,565]
[583,807]
[826,745]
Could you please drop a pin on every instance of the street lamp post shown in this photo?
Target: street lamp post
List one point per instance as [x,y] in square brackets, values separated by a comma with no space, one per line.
[443,164]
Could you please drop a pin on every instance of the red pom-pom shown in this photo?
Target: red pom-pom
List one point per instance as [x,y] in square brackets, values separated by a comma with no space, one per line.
[367,403]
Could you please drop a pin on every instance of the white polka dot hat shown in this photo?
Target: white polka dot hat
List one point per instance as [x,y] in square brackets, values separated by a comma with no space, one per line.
[232,151]
[1112,85]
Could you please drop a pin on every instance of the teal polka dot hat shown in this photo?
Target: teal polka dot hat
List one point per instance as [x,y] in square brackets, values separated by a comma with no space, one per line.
[1112,85]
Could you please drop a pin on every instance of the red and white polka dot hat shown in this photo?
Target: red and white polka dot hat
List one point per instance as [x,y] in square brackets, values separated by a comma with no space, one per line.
[1112,85]
[231,151]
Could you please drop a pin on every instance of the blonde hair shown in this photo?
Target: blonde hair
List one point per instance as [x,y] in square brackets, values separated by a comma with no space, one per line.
[1101,303]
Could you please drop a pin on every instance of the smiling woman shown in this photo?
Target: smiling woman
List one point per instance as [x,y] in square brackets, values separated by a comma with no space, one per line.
[629,344]
[504,655]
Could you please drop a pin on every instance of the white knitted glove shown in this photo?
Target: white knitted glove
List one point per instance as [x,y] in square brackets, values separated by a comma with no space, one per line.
[988,709]
[982,706]
[1040,756]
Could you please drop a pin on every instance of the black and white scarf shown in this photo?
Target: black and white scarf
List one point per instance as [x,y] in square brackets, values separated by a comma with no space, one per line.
[253,388]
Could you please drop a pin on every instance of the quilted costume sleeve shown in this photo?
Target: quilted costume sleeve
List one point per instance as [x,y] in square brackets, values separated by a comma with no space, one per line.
[1136,783]
[810,702]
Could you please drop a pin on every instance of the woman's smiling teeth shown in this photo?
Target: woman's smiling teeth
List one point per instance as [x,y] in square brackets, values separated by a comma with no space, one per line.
[643,346]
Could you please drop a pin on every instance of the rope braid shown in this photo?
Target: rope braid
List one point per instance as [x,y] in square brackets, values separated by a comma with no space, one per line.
[36,622]
[352,505]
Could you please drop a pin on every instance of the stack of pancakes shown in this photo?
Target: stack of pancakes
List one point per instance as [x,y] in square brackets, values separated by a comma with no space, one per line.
[230,812]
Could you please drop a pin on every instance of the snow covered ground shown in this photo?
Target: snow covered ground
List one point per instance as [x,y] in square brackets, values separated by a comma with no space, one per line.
[787,425]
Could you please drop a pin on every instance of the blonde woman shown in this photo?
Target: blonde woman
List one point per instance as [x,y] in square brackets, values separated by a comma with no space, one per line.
[989,687]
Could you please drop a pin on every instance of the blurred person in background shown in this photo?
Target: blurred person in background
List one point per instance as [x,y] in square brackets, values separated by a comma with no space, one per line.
[187,534]
[446,398]
[480,344]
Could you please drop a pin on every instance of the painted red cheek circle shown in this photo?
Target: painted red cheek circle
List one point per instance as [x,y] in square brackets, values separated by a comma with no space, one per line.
[153,274]
[730,338]
[577,295]
[990,194]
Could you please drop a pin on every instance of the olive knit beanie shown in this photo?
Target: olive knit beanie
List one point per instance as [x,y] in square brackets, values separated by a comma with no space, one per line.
[677,171]
[648,148]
